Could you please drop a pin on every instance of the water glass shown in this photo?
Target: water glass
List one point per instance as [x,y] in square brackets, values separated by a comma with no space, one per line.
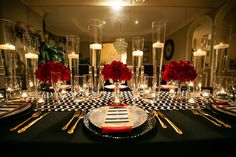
[13,87]
[79,88]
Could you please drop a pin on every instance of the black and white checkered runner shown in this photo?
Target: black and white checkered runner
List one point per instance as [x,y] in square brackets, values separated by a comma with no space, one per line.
[165,102]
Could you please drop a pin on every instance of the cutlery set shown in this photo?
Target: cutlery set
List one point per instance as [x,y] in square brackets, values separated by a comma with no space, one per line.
[35,116]
[79,115]
[159,113]
[210,118]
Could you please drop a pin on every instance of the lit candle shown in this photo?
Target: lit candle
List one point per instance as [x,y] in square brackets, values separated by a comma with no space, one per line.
[9,89]
[158,45]
[199,52]
[41,100]
[138,54]
[31,84]
[96,46]
[172,91]
[221,46]
[73,56]
[24,95]
[7,46]
[191,101]
[63,91]
[31,55]
[190,84]
[222,92]
[206,94]
[200,86]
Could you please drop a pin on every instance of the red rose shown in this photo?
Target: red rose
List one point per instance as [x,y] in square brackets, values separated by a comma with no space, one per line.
[182,71]
[116,71]
[43,73]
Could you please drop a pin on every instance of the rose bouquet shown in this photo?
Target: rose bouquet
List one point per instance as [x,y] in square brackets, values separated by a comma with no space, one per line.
[43,73]
[116,71]
[181,71]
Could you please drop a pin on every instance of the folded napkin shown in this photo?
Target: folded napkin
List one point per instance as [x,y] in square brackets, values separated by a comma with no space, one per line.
[117,119]
[220,103]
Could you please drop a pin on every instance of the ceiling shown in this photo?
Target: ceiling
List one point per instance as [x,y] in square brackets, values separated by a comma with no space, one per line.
[66,17]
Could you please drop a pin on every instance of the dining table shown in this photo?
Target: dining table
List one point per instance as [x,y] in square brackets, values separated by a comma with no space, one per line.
[199,135]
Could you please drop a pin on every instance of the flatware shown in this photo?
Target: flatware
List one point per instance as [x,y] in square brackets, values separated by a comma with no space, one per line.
[76,114]
[31,123]
[34,115]
[172,124]
[199,114]
[154,113]
[81,116]
[219,121]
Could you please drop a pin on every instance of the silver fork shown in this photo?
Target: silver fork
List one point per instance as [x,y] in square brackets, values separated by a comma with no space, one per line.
[219,121]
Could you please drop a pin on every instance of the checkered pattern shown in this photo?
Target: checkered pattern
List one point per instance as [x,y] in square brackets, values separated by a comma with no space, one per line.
[165,102]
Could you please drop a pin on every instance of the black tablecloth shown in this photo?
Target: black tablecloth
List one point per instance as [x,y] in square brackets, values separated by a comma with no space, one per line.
[199,136]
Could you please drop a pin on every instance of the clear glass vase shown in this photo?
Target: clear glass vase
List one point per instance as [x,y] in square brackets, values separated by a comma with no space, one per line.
[116,96]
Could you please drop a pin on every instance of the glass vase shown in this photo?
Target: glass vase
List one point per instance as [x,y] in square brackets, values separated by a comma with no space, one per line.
[56,83]
[95,33]
[116,97]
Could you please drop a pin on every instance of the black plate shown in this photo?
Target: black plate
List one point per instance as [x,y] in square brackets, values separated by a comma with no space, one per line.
[146,127]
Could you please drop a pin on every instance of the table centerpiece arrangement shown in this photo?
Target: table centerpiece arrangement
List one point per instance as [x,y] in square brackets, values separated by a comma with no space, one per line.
[116,73]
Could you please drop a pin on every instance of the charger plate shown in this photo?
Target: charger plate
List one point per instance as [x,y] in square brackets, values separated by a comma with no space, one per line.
[137,116]
[137,130]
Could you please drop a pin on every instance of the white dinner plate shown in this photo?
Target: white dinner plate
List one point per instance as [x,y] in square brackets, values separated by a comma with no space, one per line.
[112,86]
[137,116]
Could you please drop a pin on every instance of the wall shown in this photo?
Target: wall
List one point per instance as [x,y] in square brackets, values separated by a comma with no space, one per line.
[15,11]
[180,41]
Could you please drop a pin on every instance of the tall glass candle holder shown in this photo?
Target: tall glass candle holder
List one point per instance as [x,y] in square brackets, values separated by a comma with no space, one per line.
[7,45]
[31,66]
[121,45]
[158,40]
[73,56]
[137,58]
[221,40]
[95,33]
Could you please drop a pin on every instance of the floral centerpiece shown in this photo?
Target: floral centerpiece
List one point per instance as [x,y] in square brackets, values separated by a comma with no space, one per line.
[116,72]
[181,71]
[43,73]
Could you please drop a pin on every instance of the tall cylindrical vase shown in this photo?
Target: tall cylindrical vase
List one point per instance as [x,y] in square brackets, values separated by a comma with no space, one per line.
[137,58]
[31,80]
[95,33]
[7,46]
[158,40]
[117,93]
[73,57]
